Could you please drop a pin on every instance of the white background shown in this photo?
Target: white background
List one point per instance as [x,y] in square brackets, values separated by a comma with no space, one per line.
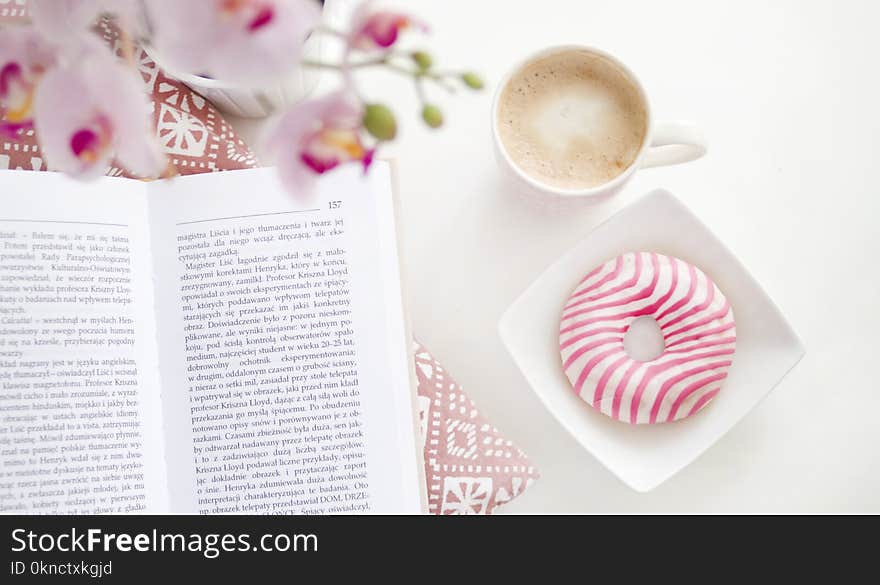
[788,95]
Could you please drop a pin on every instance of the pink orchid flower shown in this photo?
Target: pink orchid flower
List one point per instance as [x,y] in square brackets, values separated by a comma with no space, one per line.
[316,136]
[92,111]
[24,59]
[379,29]
[66,21]
[240,41]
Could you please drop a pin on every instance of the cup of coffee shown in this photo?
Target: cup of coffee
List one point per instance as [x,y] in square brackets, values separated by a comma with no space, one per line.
[573,122]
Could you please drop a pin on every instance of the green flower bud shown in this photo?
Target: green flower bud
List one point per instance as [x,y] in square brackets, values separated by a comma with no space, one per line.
[379,122]
[432,116]
[472,80]
[423,60]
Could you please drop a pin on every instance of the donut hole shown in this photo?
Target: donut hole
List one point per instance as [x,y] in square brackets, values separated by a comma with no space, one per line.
[643,340]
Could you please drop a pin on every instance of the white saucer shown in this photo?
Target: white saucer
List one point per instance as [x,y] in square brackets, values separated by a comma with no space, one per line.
[645,456]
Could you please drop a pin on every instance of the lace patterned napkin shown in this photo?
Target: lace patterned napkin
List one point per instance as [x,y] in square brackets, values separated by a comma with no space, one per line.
[470,467]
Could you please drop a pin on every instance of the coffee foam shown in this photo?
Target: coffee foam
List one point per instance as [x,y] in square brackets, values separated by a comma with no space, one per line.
[572,120]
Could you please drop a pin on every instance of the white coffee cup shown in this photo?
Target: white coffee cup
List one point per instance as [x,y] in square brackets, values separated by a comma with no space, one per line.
[664,143]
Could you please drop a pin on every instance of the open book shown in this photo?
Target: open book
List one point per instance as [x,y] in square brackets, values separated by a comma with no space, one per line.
[207,344]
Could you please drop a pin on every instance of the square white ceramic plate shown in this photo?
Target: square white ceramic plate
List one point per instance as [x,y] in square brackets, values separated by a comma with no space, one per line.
[645,456]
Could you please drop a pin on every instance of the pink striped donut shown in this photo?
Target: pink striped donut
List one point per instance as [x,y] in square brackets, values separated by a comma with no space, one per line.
[699,334]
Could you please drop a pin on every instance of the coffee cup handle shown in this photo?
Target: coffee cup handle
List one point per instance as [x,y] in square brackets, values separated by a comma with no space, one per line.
[674,143]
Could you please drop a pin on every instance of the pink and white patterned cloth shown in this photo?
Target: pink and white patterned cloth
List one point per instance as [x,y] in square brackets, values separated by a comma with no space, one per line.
[470,467]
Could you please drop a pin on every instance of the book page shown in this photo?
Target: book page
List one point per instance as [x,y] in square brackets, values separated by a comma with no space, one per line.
[80,428]
[283,351]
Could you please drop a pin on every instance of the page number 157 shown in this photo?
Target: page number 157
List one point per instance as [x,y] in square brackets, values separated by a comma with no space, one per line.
[335,204]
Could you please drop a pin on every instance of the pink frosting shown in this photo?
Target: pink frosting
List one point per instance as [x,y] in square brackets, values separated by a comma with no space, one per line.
[695,318]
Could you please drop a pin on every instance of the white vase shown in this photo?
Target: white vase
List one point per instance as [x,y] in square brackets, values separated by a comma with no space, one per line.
[248,102]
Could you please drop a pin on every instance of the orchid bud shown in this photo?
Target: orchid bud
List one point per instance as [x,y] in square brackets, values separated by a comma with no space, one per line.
[379,122]
[472,80]
[423,60]
[432,116]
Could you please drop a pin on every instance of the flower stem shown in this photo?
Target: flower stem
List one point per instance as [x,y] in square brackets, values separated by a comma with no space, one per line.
[420,90]
[338,67]
[417,75]
[436,78]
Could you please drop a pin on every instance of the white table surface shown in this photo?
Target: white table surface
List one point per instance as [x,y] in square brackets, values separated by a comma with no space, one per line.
[789,97]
